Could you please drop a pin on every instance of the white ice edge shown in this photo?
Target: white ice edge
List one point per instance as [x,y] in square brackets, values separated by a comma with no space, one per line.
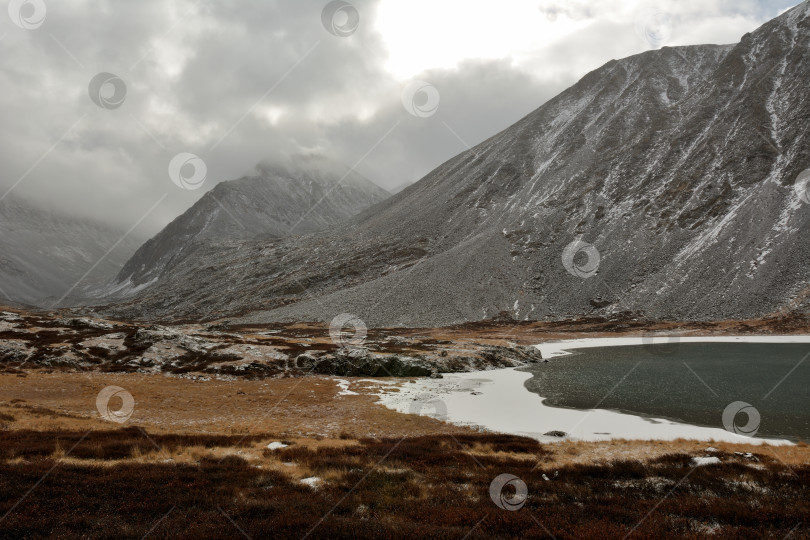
[550,349]
[498,401]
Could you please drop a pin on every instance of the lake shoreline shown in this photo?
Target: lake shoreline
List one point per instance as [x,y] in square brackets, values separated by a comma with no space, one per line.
[488,401]
[556,348]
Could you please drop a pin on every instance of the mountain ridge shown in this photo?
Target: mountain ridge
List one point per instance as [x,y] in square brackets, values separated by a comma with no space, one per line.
[45,255]
[659,160]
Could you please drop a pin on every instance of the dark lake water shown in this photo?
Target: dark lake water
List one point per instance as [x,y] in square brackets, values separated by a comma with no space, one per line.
[688,382]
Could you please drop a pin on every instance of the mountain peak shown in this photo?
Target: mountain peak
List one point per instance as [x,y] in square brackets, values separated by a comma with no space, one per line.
[298,195]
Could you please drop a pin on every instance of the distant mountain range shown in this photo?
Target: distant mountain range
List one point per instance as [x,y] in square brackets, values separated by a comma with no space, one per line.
[662,183]
[45,255]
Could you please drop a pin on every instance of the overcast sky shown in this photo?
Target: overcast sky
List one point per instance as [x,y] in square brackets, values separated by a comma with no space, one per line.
[241,81]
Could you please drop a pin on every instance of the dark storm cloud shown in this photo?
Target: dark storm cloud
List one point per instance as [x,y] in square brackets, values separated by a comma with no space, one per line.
[196,73]
[478,99]
[238,82]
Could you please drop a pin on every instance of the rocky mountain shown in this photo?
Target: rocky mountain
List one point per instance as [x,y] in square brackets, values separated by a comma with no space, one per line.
[45,255]
[305,194]
[663,183]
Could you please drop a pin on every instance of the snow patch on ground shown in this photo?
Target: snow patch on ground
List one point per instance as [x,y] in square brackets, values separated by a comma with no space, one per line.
[344,388]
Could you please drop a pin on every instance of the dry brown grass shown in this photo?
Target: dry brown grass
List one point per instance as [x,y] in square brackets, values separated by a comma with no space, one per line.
[580,452]
[200,448]
[307,411]
[417,487]
[303,407]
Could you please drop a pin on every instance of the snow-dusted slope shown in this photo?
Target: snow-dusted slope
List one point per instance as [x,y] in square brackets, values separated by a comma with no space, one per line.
[306,194]
[678,165]
[43,255]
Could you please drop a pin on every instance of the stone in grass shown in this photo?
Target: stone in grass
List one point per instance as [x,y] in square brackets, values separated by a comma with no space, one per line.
[314,482]
[558,434]
[276,445]
[703,461]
